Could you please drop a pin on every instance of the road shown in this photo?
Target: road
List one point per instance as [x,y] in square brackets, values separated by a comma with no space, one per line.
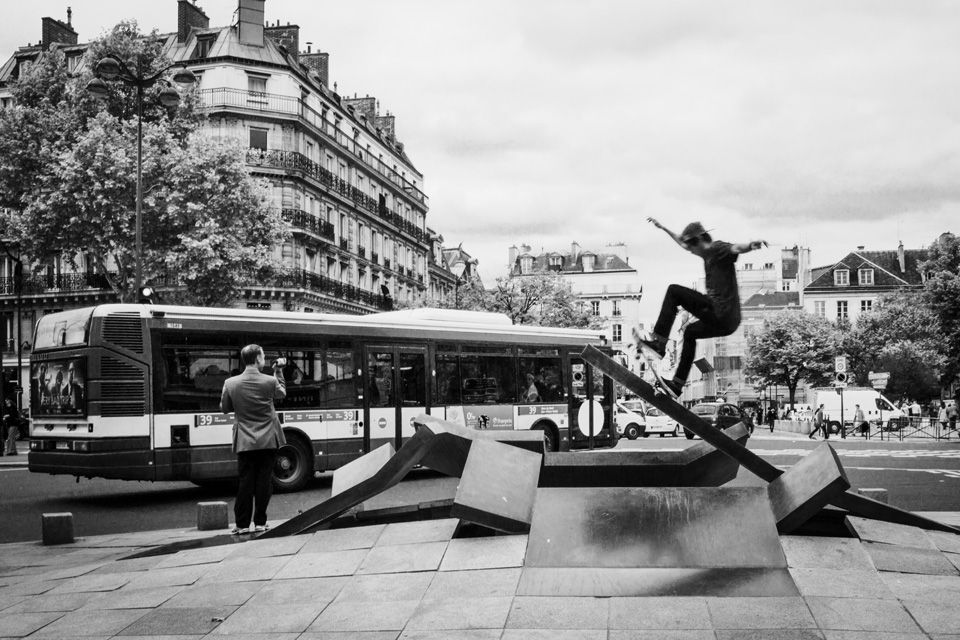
[918,476]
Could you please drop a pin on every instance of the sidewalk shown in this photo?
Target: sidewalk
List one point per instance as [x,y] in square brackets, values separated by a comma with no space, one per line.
[415,581]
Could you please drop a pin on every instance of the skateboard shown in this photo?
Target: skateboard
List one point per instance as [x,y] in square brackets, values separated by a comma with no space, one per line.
[653,364]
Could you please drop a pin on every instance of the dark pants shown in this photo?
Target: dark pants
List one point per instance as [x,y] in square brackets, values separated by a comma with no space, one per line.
[710,323]
[256,485]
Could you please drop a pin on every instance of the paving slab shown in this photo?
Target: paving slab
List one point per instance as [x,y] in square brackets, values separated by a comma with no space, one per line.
[554,634]
[403,558]
[454,614]
[769,634]
[861,614]
[92,582]
[15,625]
[385,587]
[172,577]
[268,548]
[214,594]
[934,617]
[350,635]
[834,634]
[760,613]
[245,569]
[944,590]
[607,582]
[133,598]
[888,557]
[364,616]
[888,532]
[343,539]
[840,583]
[320,565]
[273,618]
[49,603]
[418,531]
[205,555]
[661,634]
[483,583]
[495,552]
[949,542]
[814,552]
[194,621]
[659,613]
[462,634]
[298,590]
[559,613]
[91,622]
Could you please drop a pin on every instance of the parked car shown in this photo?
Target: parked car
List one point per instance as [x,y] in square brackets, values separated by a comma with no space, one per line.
[719,414]
[634,419]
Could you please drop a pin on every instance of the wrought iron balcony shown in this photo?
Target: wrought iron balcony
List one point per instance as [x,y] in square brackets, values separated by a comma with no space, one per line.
[303,220]
[318,283]
[362,252]
[226,98]
[37,284]
[344,244]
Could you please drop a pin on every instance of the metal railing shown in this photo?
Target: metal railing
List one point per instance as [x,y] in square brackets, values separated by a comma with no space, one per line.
[295,161]
[302,220]
[37,284]
[273,103]
[301,279]
[915,427]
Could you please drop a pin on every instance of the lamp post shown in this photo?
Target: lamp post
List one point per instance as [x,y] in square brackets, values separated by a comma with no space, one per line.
[110,69]
[458,269]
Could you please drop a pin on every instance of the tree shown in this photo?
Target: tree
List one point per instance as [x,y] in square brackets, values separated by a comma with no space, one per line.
[900,336]
[942,294]
[540,299]
[68,174]
[792,346]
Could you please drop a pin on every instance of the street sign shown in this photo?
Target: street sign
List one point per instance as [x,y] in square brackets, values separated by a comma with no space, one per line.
[879,385]
[840,364]
[840,385]
[878,376]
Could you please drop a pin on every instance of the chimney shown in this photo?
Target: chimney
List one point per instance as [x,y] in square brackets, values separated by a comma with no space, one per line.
[900,258]
[574,250]
[250,22]
[56,32]
[388,124]
[287,37]
[317,62]
[367,106]
[512,255]
[189,17]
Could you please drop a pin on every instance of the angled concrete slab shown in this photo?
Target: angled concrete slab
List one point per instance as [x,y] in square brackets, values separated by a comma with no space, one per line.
[806,487]
[361,469]
[498,486]
[452,441]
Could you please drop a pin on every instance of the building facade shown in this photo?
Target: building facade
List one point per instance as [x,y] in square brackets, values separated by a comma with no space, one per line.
[344,182]
[604,282]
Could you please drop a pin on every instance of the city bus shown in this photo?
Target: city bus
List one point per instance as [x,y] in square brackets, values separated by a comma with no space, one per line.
[132,392]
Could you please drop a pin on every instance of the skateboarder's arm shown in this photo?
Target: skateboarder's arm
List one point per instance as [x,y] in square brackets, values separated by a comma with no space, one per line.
[675,237]
[745,247]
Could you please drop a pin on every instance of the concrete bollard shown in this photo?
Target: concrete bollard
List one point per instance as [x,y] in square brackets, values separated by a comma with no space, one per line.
[57,528]
[880,495]
[212,515]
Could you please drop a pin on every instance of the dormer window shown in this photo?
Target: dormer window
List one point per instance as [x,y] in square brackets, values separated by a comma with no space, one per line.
[865,276]
[841,277]
[204,44]
[556,262]
[526,264]
[588,260]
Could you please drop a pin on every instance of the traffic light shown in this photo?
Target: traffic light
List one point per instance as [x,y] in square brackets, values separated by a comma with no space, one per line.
[146,295]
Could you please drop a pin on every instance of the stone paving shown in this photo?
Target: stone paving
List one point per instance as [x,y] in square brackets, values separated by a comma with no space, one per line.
[416,581]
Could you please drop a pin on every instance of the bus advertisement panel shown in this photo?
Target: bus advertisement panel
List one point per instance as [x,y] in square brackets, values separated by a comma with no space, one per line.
[58,387]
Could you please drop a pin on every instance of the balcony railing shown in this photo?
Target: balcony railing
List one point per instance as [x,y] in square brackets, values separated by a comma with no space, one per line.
[295,161]
[273,103]
[362,252]
[64,282]
[386,262]
[300,279]
[344,244]
[374,257]
[303,220]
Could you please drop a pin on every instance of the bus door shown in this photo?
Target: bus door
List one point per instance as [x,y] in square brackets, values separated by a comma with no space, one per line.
[591,405]
[395,392]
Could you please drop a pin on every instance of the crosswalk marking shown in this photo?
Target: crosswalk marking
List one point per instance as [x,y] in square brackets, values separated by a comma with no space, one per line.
[953,454]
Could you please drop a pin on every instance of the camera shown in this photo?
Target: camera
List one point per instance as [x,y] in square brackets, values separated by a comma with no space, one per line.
[279,362]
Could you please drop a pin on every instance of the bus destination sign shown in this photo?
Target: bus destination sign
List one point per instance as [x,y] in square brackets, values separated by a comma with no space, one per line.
[213,419]
[542,410]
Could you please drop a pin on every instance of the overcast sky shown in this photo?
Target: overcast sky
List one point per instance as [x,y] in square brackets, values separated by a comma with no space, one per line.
[827,124]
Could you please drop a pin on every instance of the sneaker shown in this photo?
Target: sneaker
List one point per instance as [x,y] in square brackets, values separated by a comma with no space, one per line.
[261,527]
[672,387]
[240,531]
[654,346]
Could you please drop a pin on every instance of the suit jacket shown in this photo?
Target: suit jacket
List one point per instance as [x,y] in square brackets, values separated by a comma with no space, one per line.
[250,395]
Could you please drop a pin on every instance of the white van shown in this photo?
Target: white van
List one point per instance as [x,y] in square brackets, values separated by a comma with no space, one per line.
[873,403]
[635,418]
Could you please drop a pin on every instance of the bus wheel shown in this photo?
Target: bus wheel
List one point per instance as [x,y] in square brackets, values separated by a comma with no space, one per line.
[293,467]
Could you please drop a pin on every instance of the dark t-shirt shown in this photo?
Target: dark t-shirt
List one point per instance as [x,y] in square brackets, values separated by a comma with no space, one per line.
[718,263]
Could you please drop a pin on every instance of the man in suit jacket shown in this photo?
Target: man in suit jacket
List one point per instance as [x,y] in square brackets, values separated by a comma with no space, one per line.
[256,434]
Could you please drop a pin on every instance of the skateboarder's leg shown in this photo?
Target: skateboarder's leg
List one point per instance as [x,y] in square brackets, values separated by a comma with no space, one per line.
[676,297]
[709,326]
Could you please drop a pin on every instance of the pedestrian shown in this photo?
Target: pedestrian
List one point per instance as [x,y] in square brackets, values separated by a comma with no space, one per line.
[256,434]
[915,409]
[717,312]
[819,424]
[12,421]
[952,415]
[860,422]
[943,418]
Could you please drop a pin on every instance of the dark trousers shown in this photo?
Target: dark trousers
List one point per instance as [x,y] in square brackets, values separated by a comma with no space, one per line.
[256,486]
[709,324]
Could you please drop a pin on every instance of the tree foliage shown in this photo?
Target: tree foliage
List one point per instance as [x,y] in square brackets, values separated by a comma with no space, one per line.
[68,175]
[900,336]
[792,346]
[942,295]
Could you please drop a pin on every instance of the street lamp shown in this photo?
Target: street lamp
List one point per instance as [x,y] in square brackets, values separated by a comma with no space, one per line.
[458,270]
[110,69]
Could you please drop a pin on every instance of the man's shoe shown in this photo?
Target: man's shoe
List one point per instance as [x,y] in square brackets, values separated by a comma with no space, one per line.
[261,527]
[239,531]
[654,346]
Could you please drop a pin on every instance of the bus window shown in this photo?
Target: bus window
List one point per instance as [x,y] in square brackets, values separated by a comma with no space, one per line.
[413,390]
[488,379]
[448,379]
[380,379]
[545,376]
[193,377]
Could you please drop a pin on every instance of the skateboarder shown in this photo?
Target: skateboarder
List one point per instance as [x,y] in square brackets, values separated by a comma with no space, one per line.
[717,311]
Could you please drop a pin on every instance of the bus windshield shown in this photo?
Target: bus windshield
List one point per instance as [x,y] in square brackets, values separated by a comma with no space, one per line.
[64,329]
